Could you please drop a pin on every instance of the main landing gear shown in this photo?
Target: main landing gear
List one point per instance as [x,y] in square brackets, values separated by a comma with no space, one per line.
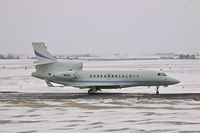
[93,90]
[157,90]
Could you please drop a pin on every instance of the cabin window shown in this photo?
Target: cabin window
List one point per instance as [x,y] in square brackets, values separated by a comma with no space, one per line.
[126,76]
[122,76]
[119,76]
[90,76]
[49,74]
[94,76]
[101,76]
[115,76]
[97,76]
[104,76]
[112,76]
[108,76]
[130,76]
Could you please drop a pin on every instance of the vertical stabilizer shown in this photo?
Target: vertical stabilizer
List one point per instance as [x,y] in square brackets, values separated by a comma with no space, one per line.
[41,53]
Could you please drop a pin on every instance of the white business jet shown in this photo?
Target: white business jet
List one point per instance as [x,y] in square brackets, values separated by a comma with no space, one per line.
[71,74]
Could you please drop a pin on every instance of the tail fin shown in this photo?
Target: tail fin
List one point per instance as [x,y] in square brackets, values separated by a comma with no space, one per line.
[41,53]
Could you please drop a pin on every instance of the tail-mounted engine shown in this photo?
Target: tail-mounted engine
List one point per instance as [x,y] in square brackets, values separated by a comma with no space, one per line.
[66,75]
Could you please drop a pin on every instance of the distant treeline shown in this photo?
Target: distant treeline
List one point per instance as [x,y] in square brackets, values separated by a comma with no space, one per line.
[187,56]
[88,57]
[9,56]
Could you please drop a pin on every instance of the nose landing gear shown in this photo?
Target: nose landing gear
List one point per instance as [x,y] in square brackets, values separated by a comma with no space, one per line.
[157,90]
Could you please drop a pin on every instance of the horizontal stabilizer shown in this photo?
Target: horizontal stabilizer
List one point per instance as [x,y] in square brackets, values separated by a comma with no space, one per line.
[43,63]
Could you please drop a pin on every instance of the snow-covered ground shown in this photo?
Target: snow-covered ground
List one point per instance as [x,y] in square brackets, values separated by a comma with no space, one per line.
[100,115]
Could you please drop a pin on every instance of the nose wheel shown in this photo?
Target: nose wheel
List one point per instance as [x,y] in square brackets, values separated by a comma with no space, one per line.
[157,90]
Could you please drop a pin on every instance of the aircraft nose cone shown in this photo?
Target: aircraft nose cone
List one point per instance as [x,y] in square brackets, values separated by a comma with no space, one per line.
[175,81]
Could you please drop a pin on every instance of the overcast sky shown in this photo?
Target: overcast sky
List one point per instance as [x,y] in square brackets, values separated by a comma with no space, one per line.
[100,26]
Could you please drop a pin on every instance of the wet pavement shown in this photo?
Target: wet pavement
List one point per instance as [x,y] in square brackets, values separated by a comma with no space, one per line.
[100,96]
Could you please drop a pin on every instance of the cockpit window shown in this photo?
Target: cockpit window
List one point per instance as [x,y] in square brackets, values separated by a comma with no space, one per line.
[162,74]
